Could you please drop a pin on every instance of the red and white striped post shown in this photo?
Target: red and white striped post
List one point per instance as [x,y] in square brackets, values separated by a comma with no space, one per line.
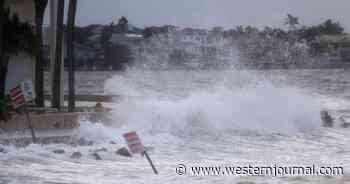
[17,97]
[135,145]
[20,95]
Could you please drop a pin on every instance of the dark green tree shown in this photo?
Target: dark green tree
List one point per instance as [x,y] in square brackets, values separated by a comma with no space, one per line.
[330,28]
[16,37]
[123,20]
[291,21]
[123,23]
[326,28]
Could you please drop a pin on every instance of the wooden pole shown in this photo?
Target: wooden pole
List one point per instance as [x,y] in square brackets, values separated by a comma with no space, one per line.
[70,53]
[150,162]
[56,86]
[30,124]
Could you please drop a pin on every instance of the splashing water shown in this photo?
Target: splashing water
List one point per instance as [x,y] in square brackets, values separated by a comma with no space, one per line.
[178,101]
[216,117]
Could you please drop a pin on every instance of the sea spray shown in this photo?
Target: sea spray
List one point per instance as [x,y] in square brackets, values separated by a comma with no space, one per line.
[181,102]
[96,132]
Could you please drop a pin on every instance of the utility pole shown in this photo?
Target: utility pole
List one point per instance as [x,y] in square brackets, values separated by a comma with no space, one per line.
[70,54]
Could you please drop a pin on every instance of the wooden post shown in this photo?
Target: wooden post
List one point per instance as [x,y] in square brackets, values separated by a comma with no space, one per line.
[57,73]
[70,54]
[30,124]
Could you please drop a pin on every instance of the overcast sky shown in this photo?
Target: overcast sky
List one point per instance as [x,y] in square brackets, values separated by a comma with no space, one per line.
[209,13]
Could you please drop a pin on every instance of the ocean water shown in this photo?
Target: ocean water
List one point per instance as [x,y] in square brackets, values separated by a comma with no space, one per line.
[200,118]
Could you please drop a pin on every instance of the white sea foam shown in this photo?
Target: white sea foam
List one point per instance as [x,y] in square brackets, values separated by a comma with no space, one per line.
[96,132]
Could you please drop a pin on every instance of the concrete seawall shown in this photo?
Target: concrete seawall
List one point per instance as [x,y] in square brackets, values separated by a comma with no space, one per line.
[58,127]
[42,122]
[49,128]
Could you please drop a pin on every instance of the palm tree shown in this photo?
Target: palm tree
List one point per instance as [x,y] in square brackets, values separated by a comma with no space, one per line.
[70,53]
[291,22]
[40,6]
